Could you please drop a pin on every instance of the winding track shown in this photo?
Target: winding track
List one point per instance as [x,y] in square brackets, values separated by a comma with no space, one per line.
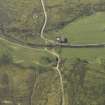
[57,68]
[52,52]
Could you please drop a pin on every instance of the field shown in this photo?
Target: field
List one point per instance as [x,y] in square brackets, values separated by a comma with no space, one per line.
[90,29]
[85,30]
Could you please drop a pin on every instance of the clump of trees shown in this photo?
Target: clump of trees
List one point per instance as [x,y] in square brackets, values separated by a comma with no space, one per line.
[6,58]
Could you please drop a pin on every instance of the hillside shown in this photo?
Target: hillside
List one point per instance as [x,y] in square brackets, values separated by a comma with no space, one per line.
[53,76]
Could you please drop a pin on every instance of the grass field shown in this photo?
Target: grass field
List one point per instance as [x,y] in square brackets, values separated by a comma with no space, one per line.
[88,29]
